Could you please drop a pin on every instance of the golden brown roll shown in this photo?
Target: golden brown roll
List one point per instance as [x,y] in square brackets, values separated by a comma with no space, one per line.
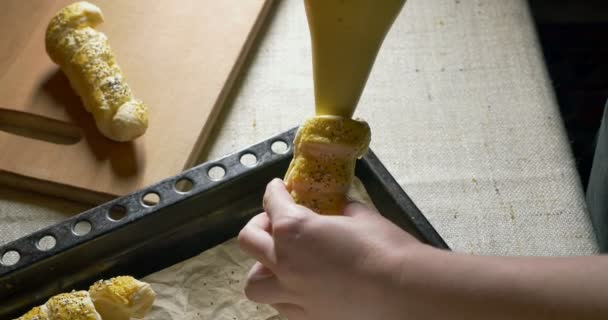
[86,58]
[76,305]
[120,298]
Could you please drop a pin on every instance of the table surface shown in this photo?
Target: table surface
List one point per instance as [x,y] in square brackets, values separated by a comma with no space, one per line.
[462,114]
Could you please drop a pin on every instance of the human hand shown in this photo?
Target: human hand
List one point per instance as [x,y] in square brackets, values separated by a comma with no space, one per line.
[361,266]
[324,267]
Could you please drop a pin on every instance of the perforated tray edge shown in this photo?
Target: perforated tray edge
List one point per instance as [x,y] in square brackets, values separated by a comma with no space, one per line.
[180,226]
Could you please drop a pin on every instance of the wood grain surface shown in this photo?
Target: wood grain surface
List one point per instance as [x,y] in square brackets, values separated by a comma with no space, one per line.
[179,57]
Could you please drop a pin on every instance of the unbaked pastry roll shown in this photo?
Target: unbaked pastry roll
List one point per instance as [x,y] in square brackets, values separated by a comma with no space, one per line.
[122,298]
[76,305]
[119,298]
[84,55]
[321,172]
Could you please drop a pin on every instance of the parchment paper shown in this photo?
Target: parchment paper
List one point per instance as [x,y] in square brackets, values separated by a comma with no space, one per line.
[210,285]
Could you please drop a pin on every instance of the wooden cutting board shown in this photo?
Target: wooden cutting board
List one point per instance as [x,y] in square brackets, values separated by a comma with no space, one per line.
[179,57]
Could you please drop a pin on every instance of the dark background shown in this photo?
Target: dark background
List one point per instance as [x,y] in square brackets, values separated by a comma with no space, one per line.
[574,38]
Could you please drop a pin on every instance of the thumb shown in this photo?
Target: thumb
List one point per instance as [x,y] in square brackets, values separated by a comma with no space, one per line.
[356,209]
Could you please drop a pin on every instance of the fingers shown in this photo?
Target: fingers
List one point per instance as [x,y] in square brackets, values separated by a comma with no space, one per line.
[291,311]
[256,240]
[354,209]
[264,287]
[277,199]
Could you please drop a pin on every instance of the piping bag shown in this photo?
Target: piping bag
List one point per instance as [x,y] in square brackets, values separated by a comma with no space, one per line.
[346,36]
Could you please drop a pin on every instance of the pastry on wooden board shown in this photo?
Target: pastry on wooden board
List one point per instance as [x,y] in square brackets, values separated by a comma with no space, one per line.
[119,298]
[321,172]
[87,60]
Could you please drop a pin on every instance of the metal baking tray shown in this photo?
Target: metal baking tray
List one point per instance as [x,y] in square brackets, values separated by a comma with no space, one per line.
[131,236]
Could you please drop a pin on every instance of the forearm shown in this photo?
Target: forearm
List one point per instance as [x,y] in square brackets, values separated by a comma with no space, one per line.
[458,286]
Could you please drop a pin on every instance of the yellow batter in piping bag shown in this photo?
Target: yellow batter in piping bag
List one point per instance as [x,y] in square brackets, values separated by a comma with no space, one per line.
[346,37]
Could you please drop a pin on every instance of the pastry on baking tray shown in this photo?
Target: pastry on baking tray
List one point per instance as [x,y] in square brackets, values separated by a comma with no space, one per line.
[323,166]
[122,298]
[119,298]
[85,57]
[76,305]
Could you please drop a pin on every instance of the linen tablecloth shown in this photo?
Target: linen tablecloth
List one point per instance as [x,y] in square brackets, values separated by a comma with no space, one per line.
[462,114]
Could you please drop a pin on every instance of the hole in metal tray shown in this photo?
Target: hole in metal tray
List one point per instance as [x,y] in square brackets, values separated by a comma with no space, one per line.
[279,147]
[82,228]
[10,258]
[117,212]
[216,172]
[46,243]
[151,199]
[249,159]
[184,185]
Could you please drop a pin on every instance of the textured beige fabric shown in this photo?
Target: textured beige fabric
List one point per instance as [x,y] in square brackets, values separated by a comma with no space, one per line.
[461,112]
[462,115]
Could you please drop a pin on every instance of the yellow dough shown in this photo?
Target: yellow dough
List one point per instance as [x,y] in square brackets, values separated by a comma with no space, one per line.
[322,169]
[85,57]
[346,37]
[119,298]
[35,314]
[122,298]
[76,305]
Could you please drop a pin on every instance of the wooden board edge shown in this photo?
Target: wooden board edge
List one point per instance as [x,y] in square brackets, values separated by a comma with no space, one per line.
[89,197]
[70,193]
